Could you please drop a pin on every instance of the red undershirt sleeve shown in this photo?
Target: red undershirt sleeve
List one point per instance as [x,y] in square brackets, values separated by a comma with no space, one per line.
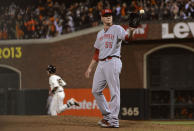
[127,38]
[96,54]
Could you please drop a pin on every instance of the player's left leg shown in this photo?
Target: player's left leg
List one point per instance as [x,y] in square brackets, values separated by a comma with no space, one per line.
[112,77]
[49,99]
[53,106]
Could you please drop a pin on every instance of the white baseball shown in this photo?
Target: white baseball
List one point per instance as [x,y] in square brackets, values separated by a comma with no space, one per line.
[141,11]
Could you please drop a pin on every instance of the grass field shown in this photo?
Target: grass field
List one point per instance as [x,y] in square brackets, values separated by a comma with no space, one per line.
[174,122]
[74,123]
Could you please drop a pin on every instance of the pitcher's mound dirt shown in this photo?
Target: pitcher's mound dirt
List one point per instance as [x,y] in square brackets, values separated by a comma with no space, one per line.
[74,123]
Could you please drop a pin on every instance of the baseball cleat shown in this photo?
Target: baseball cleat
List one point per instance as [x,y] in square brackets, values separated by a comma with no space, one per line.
[102,121]
[105,124]
[75,102]
[108,125]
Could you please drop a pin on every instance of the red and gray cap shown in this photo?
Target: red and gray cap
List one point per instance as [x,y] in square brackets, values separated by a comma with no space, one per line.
[106,12]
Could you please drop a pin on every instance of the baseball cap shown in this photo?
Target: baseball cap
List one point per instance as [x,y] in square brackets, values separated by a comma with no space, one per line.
[106,12]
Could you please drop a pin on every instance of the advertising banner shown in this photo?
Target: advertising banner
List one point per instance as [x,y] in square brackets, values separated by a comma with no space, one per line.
[180,30]
[88,105]
[140,33]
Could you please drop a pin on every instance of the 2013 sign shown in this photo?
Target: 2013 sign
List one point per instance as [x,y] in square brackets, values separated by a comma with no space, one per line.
[10,52]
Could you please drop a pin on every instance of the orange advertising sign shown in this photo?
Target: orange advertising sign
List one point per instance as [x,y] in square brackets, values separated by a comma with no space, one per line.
[88,105]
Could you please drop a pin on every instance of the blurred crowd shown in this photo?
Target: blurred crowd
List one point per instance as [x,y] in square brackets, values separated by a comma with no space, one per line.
[185,102]
[35,19]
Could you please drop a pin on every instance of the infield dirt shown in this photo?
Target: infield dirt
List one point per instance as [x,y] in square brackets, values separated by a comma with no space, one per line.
[74,123]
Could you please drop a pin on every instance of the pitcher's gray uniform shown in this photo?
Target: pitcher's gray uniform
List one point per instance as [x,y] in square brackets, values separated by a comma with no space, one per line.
[107,54]
[108,70]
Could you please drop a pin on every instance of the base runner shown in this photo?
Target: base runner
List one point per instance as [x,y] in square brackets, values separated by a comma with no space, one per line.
[56,94]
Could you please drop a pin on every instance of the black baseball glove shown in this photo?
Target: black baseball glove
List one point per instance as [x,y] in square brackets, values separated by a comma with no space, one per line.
[54,90]
[134,19]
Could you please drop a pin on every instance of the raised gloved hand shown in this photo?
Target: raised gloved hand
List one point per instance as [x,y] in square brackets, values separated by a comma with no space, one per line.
[135,18]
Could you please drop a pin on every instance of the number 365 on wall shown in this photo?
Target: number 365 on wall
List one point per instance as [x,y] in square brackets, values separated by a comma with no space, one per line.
[130,111]
[10,52]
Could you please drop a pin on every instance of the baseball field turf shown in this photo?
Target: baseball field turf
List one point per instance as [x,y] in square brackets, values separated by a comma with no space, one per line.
[73,123]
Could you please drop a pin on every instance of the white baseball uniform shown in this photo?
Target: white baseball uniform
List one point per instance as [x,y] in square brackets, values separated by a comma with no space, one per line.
[108,71]
[56,105]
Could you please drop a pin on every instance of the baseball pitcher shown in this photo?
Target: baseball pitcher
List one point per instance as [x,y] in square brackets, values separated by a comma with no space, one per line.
[107,55]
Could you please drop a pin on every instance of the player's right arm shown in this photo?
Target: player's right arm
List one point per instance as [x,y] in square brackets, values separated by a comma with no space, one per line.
[93,62]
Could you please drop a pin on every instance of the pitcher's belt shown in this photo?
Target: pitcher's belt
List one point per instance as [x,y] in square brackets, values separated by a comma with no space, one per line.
[109,57]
